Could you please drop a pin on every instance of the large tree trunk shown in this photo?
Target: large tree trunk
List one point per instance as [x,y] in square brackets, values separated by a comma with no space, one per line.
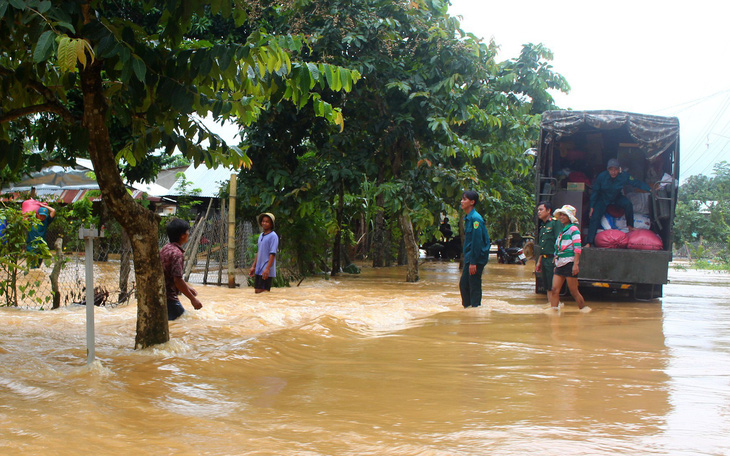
[378,249]
[409,239]
[124,268]
[377,246]
[141,224]
[337,245]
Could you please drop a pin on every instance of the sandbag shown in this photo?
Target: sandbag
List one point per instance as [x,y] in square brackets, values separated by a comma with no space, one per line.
[644,240]
[611,239]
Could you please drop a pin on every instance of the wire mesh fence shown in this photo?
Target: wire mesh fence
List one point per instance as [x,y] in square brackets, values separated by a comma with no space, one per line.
[61,280]
[206,256]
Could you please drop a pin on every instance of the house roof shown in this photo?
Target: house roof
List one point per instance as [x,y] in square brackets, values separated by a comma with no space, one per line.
[70,184]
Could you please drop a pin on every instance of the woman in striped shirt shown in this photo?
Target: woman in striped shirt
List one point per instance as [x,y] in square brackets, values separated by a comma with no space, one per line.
[567,257]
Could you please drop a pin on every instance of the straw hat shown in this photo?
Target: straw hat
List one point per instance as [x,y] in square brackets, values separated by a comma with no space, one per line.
[567,210]
[269,215]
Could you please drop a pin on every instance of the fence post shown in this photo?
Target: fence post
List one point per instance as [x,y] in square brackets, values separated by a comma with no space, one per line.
[232,233]
[88,235]
[220,247]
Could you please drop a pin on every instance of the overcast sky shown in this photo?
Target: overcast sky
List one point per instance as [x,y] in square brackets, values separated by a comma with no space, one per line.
[667,58]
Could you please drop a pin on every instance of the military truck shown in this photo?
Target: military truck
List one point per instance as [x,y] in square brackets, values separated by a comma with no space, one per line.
[574,147]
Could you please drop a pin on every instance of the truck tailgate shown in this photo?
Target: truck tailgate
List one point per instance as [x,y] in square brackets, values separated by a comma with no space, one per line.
[624,265]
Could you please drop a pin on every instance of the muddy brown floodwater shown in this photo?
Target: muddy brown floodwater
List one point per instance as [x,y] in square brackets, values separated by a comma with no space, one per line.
[370,365]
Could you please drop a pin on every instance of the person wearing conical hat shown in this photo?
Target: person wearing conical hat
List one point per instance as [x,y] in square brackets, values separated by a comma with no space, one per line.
[263,269]
[567,258]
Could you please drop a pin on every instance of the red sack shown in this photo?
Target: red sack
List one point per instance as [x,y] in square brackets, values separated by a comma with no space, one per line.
[611,239]
[644,240]
[614,211]
[30,205]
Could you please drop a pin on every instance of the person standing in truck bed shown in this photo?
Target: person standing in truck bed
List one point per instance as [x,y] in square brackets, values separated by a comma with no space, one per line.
[608,189]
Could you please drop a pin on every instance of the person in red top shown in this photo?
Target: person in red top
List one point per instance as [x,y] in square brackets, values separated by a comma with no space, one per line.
[172,257]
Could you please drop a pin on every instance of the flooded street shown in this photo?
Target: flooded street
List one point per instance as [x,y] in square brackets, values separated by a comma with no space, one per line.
[371,365]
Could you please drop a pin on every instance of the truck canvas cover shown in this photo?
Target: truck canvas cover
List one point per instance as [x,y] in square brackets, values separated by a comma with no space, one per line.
[654,134]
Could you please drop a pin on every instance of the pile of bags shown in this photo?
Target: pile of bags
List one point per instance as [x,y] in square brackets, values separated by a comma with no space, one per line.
[616,234]
[637,239]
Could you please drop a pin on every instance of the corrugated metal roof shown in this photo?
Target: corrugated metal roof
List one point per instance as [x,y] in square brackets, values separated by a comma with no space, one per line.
[71,183]
[58,179]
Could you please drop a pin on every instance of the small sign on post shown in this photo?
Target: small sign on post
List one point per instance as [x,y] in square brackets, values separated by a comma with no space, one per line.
[88,235]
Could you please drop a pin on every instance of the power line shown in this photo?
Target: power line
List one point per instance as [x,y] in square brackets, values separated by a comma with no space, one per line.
[691,103]
[695,148]
[714,160]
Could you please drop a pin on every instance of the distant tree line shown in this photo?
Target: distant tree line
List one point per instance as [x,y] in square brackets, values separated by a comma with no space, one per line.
[703,213]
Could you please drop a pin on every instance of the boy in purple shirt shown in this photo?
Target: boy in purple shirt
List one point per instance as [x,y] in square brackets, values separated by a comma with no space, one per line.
[264,265]
[172,257]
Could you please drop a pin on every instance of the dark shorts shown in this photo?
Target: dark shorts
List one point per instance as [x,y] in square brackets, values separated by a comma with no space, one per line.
[565,271]
[260,284]
[174,309]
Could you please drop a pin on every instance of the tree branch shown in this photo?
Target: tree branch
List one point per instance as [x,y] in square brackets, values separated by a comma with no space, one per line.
[51,105]
[36,109]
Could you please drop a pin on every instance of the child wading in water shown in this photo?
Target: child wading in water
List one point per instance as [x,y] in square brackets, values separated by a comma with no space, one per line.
[264,265]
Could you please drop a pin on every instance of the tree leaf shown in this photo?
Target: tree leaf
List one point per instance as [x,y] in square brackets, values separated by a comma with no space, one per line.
[81,46]
[66,54]
[44,47]
[140,69]
[44,6]
[313,71]
[65,25]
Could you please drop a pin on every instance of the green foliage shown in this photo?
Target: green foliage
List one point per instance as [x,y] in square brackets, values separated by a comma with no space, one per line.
[433,115]
[16,258]
[703,208]
[703,211]
[71,217]
[429,111]
[186,202]
[158,72]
